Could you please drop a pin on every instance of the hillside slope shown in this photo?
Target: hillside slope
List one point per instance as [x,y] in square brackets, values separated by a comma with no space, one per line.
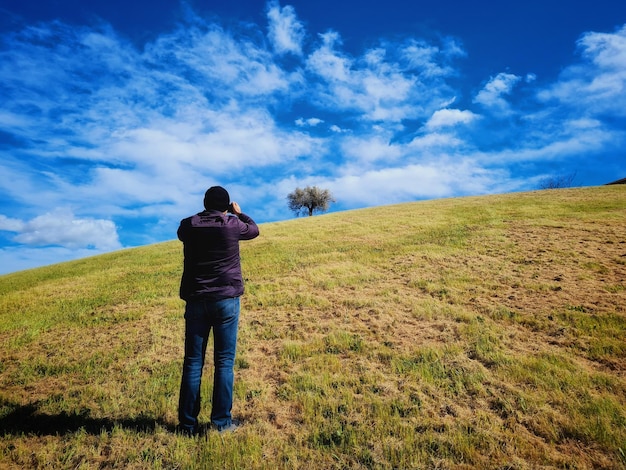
[479,332]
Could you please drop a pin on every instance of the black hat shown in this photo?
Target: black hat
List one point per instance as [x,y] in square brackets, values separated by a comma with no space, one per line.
[216,198]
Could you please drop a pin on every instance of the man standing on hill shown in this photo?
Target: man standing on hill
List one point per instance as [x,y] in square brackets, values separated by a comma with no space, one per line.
[211,286]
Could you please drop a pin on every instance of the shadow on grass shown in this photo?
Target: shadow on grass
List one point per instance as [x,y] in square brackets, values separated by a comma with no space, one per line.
[27,419]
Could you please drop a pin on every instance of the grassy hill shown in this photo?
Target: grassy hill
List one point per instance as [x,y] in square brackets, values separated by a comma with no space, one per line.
[479,332]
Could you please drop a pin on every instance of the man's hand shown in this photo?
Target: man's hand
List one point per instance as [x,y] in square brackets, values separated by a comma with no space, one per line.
[235,209]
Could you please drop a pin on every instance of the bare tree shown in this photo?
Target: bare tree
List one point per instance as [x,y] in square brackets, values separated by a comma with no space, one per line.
[556,182]
[312,199]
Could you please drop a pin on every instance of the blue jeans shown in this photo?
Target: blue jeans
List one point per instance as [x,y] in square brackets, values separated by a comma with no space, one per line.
[200,317]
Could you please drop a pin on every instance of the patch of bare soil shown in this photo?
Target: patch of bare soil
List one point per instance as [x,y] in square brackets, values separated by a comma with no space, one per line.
[582,267]
[575,272]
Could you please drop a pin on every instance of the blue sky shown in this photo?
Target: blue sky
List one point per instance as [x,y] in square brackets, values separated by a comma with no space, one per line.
[115,116]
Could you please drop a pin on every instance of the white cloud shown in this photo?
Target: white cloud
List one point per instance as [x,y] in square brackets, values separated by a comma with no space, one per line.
[598,84]
[450,117]
[220,142]
[200,60]
[328,62]
[433,143]
[418,181]
[285,30]
[312,122]
[491,96]
[10,225]
[429,60]
[62,228]
[389,83]
[365,150]
[420,55]
[606,50]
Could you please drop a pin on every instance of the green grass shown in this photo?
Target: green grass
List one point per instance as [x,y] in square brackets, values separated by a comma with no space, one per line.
[479,332]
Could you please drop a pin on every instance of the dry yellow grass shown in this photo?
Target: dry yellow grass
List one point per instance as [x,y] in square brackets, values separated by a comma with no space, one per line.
[480,332]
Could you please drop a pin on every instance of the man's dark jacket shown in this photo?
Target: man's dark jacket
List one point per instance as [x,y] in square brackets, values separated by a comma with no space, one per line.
[212,267]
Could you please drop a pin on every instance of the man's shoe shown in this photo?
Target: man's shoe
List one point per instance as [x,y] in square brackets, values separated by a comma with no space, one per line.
[232,427]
